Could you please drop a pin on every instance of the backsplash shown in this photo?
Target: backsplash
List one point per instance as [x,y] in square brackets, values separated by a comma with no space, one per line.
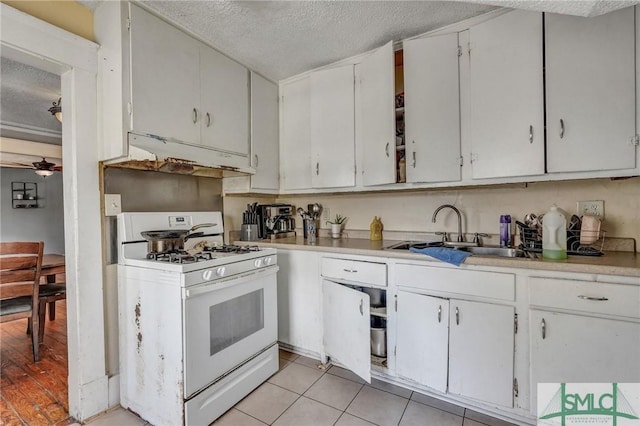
[411,211]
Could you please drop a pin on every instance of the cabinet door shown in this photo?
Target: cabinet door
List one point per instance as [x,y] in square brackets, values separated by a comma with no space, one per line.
[481,339]
[225,102]
[300,300]
[590,87]
[295,147]
[432,109]
[333,128]
[506,96]
[567,348]
[422,339]
[347,335]
[165,82]
[264,133]
[378,117]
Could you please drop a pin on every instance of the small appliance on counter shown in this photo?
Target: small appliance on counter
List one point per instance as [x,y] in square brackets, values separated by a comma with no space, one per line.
[276,221]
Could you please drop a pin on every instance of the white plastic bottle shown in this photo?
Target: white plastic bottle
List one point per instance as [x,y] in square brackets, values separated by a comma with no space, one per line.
[554,235]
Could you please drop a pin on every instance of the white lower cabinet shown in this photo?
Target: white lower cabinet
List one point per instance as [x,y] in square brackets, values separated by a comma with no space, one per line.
[471,343]
[346,327]
[481,345]
[422,339]
[583,332]
[300,300]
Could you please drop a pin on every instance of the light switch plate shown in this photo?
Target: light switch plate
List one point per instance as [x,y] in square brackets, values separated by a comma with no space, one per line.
[112,204]
[594,207]
[326,215]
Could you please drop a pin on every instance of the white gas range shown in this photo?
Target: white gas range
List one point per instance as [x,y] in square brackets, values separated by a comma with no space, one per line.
[198,327]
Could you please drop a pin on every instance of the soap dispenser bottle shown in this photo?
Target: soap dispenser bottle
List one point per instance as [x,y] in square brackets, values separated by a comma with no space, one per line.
[554,235]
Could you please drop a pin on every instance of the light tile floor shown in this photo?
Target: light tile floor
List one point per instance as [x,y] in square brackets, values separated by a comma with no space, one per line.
[301,394]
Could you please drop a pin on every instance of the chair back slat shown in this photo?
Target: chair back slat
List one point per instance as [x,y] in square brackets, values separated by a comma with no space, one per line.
[10,248]
[9,277]
[8,263]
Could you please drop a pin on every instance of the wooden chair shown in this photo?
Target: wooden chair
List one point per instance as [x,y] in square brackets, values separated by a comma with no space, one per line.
[20,265]
[49,293]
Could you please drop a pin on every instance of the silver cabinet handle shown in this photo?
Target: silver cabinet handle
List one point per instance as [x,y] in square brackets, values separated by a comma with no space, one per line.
[208,119]
[195,116]
[597,299]
[457,316]
[543,324]
[317,168]
[386,149]
[350,270]
[561,128]
[414,159]
[530,134]
[440,313]
[361,311]
[256,157]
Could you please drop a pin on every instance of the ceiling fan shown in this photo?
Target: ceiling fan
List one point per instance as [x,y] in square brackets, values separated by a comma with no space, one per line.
[45,168]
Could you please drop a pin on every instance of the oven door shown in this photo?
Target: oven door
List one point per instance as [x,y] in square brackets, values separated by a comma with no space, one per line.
[226,322]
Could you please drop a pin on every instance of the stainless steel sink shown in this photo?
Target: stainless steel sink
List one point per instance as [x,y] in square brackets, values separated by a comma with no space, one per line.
[406,245]
[493,251]
[469,247]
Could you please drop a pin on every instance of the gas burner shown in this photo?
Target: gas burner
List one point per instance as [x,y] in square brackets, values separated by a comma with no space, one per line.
[231,248]
[179,256]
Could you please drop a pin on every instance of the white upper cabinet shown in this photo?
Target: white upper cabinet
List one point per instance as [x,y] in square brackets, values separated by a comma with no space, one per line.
[264,133]
[506,96]
[332,113]
[590,88]
[432,109]
[165,79]
[378,117]
[295,138]
[183,90]
[224,102]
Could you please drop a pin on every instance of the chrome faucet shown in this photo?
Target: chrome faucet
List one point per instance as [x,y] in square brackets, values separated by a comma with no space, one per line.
[433,219]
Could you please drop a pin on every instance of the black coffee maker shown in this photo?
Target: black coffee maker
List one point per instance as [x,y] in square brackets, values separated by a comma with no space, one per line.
[276,221]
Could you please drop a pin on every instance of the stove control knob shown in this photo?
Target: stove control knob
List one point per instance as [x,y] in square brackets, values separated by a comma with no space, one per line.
[257,263]
[220,271]
[206,275]
[268,260]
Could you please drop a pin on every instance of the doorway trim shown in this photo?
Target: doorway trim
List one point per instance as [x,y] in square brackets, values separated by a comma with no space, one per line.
[37,43]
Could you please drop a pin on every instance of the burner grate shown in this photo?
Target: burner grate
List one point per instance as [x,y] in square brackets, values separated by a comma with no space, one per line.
[207,253]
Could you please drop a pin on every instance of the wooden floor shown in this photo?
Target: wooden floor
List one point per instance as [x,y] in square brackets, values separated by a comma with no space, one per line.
[34,393]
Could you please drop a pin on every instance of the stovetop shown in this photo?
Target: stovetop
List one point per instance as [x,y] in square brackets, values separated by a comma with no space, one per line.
[200,254]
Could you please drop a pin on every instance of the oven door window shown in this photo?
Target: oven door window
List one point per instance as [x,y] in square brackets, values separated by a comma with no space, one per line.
[235,319]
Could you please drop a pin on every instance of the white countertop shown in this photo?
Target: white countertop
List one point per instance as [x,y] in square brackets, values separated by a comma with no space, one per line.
[612,263]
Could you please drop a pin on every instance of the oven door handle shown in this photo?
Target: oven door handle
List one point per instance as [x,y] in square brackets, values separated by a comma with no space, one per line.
[222,283]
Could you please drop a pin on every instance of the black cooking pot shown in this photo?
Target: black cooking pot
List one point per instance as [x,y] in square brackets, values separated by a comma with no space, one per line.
[168,240]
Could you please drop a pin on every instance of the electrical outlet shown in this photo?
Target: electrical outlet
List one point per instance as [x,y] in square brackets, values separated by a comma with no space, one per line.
[326,215]
[112,204]
[595,208]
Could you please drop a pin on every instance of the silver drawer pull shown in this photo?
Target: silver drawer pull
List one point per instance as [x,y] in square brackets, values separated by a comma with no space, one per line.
[457,316]
[597,299]
[440,313]
[544,329]
[350,270]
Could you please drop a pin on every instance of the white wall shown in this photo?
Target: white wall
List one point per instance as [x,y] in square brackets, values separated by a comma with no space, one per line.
[39,224]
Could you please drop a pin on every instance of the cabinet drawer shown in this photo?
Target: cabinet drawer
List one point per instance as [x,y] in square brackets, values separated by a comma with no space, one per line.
[587,296]
[492,285]
[354,271]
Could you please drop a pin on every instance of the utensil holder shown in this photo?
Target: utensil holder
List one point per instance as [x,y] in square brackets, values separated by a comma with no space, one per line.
[249,232]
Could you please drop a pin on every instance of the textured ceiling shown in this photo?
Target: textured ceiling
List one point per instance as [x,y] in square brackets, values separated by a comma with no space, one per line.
[585,8]
[26,93]
[283,38]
